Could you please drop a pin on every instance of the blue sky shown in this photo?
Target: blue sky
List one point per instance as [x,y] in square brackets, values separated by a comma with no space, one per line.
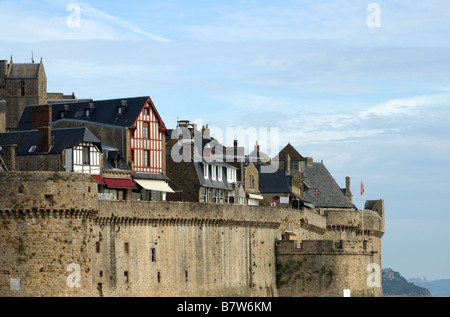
[371,102]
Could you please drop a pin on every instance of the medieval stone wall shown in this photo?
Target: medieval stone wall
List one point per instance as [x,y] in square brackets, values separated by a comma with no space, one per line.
[58,239]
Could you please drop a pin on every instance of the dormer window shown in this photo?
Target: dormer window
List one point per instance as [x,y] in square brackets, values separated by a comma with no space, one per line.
[122,107]
[206,171]
[88,112]
[65,112]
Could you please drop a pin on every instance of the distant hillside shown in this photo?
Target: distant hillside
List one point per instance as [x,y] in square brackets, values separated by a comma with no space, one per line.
[396,285]
[438,288]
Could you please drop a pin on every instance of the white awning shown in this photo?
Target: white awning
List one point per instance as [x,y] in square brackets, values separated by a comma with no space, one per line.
[255,196]
[154,184]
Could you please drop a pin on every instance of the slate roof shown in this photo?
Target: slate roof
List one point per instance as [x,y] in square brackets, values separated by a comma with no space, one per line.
[24,70]
[319,178]
[104,112]
[293,153]
[61,139]
[209,182]
[276,182]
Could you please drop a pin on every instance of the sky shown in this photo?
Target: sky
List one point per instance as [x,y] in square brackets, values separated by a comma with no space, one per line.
[363,86]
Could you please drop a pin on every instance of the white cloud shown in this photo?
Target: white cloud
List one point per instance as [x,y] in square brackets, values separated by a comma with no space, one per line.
[39,25]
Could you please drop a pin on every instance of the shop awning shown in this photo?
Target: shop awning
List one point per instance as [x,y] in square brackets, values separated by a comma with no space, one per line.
[309,205]
[120,183]
[259,197]
[155,184]
[98,179]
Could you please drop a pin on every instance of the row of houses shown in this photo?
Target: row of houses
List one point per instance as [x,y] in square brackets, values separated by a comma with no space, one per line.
[127,148]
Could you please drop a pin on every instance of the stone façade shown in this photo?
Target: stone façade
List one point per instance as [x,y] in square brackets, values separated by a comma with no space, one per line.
[58,239]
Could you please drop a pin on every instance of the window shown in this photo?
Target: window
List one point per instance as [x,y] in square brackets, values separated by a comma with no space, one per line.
[213,172]
[146,111]
[251,181]
[20,189]
[146,158]
[219,173]
[126,247]
[206,170]
[153,254]
[231,175]
[186,275]
[125,275]
[119,110]
[86,155]
[203,195]
[22,88]
[79,114]
[97,247]
[159,277]
[132,155]
[214,195]
[87,113]
[145,130]
[220,196]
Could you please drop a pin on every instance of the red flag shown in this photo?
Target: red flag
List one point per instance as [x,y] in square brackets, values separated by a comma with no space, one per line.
[362,188]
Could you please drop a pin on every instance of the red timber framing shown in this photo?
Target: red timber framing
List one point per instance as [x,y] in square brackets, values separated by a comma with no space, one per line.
[148,141]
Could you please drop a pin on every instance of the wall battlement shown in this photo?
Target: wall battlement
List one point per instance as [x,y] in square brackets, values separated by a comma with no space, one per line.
[58,239]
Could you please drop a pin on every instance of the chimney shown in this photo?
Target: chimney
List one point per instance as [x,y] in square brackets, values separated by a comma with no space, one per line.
[287,166]
[309,161]
[44,139]
[348,192]
[257,147]
[3,68]
[41,116]
[206,132]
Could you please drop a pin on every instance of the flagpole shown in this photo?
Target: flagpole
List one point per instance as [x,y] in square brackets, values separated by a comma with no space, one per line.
[362,213]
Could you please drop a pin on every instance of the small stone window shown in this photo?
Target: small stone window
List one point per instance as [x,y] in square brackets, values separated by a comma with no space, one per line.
[186,275]
[125,275]
[153,254]
[159,277]
[97,247]
[20,189]
[126,247]
[22,88]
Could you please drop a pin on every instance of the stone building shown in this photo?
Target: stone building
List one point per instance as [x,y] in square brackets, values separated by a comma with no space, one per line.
[21,84]
[133,135]
[45,149]
[196,167]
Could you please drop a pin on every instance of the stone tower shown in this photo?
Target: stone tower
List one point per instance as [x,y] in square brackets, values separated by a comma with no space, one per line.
[21,84]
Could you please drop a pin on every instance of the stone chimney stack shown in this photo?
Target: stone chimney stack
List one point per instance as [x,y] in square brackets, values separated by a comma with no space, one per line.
[348,192]
[44,139]
[3,68]
[287,166]
[309,161]
[206,132]
[41,116]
